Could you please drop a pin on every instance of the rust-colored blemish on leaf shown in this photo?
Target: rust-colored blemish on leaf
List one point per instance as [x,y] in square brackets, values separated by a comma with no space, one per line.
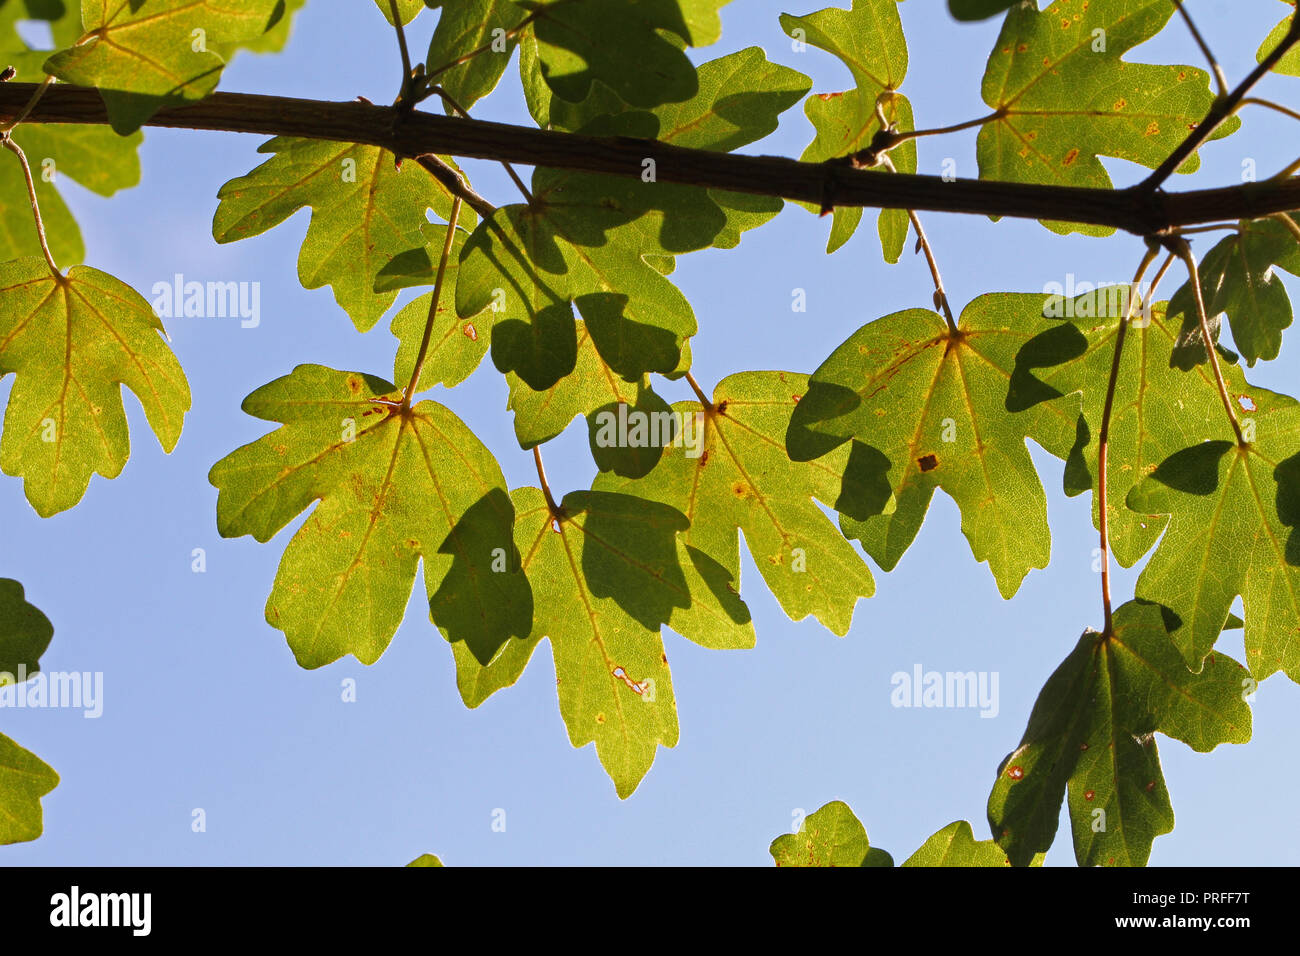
[470,332]
[1016,773]
[1070,157]
[928,462]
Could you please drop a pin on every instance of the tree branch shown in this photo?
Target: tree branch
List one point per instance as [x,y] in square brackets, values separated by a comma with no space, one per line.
[415,134]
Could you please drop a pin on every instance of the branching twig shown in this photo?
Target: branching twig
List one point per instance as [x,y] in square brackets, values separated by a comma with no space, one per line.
[510,170]
[456,184]
[420,133]
[1223,107]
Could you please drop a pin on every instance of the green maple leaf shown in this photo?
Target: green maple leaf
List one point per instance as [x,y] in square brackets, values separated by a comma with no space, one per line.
[365,212]
[931,410]
[464,28]
[1064,96]
[530,262]
[832,836]
[1237,278]
[592,390]
[1289,64]
[24,779]
[606,576]
[633,46]
[394,489]
[741,97]
[955,845]
[426,859]
[1092,732]
[144,54]
[869,40]
[72,343]
[735,476]
[605,242]
[1232,533]
[1158,407]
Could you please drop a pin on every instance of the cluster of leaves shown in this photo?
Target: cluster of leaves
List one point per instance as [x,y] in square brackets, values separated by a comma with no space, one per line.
[570,292]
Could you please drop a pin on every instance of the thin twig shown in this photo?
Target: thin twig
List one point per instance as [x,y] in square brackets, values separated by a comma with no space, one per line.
[455,183]
[404,95]
[1210,227]
[1224,106]
[1269,104]
[464,114]
[699,392]
[9,144]
[1103,439]
[1215,68]
[556,511]
[1290,224]
[1194,278]
[940,293]
[423,352]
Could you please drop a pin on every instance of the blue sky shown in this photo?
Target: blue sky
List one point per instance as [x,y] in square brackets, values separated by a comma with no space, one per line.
[205,708]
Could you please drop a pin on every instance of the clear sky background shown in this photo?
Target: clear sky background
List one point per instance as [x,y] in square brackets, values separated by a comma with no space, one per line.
[205,708]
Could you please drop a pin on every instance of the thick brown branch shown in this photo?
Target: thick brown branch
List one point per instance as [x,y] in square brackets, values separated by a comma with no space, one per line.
[416,134]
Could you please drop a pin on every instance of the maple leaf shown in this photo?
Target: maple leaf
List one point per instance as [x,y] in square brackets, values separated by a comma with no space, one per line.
[1092,732]
[869,40]
[395,488]
[144,54]
[1063,96]
[1232,532]
[832,836]
[730,473]
[930,408]
[365,213]
[72,342]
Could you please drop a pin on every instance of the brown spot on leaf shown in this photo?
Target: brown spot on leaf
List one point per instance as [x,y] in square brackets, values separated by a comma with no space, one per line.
[1016,773]
[1089,794]
[1153,129]
[470,332]
[928,462]
[1070,157]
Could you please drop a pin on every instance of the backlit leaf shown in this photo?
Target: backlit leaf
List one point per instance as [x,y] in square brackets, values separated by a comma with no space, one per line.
[1238,278]
[832,836]
[730,472]
[1064,96]
[72,343]
[955,845]
[1092,733]
[394,489]
[144,54]
[930,407]
[1232,533]
[627,44]
[365,213]
[869,41]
